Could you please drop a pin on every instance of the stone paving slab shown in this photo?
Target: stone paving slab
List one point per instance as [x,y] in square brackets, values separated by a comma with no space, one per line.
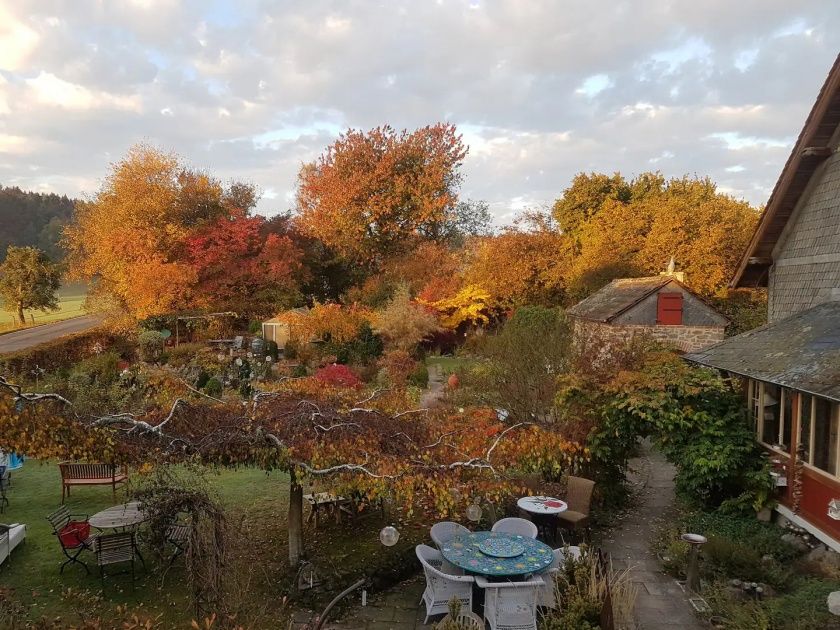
[661,603]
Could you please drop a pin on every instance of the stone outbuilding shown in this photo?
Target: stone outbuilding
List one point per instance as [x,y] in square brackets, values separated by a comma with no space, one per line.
[660,307]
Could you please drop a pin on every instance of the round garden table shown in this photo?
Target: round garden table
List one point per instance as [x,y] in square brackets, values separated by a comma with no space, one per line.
[497,555]
[118,517]
[542,505]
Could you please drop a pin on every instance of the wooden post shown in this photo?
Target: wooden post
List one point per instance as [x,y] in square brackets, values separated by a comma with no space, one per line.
[295,520]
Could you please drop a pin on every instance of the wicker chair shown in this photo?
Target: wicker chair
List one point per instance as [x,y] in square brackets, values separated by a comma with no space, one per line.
[547,595]
[578,498]
[445,531]
[73,533]
[514,525]
[511,605]
[440,586]
[115,549]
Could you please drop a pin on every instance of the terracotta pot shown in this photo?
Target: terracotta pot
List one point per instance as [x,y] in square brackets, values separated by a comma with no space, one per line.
[122,364]
[453,381]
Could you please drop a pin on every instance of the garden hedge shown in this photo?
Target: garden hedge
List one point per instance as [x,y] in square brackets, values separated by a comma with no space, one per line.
[63,352]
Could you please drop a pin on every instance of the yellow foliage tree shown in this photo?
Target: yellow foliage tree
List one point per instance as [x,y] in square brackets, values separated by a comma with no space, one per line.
[472,305]
[404,324]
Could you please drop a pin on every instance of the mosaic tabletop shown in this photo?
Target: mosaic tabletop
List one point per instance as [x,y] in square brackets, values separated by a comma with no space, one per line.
[465,552]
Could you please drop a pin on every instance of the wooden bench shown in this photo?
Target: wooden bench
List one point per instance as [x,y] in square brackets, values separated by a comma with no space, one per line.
[74,474]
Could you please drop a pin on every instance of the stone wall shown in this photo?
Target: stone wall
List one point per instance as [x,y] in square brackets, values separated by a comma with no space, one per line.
[684,338]
[806,262]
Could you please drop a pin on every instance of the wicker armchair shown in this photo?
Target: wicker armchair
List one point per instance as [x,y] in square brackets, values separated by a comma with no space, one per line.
[440,586]
[511,605]
[515,525]
[579,498]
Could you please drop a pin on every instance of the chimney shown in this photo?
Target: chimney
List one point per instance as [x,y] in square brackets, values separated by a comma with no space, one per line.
[679,276]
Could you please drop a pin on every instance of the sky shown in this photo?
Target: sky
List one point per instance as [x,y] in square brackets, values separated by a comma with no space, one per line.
[250,90]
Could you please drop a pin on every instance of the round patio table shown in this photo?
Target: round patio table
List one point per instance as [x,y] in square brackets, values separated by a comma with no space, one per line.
[118,517]
[542,505]
[470,552]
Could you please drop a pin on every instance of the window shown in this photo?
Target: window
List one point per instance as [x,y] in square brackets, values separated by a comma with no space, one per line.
[669,309]
[755,403]
[787,418]
[771,414]
[825,436]
[805,412]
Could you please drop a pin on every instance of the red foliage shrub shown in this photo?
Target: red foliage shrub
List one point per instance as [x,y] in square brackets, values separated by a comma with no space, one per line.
[338,375]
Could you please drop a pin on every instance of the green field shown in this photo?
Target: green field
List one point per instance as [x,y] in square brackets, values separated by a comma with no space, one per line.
[71,304]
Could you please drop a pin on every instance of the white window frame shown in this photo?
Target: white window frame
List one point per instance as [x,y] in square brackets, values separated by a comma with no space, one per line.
[834,419]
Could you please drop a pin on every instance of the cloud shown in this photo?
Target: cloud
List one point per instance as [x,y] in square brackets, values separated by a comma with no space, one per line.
[253,89]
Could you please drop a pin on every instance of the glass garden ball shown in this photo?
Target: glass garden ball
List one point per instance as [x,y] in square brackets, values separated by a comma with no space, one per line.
[474,513]
[389,536]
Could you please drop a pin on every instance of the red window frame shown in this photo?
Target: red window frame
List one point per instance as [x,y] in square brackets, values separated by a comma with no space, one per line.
[669,309]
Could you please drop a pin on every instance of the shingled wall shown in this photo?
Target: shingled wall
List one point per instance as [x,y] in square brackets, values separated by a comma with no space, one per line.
[806,263]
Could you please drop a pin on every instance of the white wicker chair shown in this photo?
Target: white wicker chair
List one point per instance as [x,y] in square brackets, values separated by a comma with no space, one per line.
[547,595]
[511,605]
[445,531]
[440,586]
[516,525]
[10,537]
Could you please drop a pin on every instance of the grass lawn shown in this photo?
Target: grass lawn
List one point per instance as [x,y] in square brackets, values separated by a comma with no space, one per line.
[256,504]
[262,590]
[71,299]
[448,365]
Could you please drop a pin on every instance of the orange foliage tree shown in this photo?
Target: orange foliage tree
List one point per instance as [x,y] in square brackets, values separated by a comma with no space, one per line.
[158,237]
[372,195]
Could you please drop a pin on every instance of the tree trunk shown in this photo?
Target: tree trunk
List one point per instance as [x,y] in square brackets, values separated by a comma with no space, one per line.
[295,520]
[21,315]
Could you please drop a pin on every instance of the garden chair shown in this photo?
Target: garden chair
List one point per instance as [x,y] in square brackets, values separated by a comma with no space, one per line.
[515,525]
[445,531]
[547,594]
[511,605]
[115,549]
[73,533]
[441,586]
[178,535]
[5,480]
[10,537]
[579,498]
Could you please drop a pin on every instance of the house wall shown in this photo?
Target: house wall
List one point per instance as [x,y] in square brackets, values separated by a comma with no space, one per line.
[806,261]
[695,311]
[685,338]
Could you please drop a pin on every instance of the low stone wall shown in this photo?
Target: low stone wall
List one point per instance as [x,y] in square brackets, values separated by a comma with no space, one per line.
[685,338]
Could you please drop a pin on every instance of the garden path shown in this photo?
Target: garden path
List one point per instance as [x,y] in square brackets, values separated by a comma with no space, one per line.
[434,391]
[661,603]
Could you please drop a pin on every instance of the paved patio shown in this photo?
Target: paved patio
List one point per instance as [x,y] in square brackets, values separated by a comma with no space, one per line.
[661,603]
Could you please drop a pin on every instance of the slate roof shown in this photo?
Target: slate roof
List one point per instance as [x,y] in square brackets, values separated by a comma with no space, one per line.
[801,352]
[619,295]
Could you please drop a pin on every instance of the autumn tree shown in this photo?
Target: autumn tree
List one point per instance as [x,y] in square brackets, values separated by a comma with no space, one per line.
[639,225]
[585,196]
[159,237]
[375,194]
[28,281]
[525,264]
[404,324]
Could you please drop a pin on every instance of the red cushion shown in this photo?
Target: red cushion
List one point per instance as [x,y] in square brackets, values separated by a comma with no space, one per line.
[74,534]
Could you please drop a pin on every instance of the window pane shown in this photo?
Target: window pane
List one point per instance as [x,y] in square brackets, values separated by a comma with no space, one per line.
[787,397]
[825,437]
[772,413]
[805,423]
[755,402]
